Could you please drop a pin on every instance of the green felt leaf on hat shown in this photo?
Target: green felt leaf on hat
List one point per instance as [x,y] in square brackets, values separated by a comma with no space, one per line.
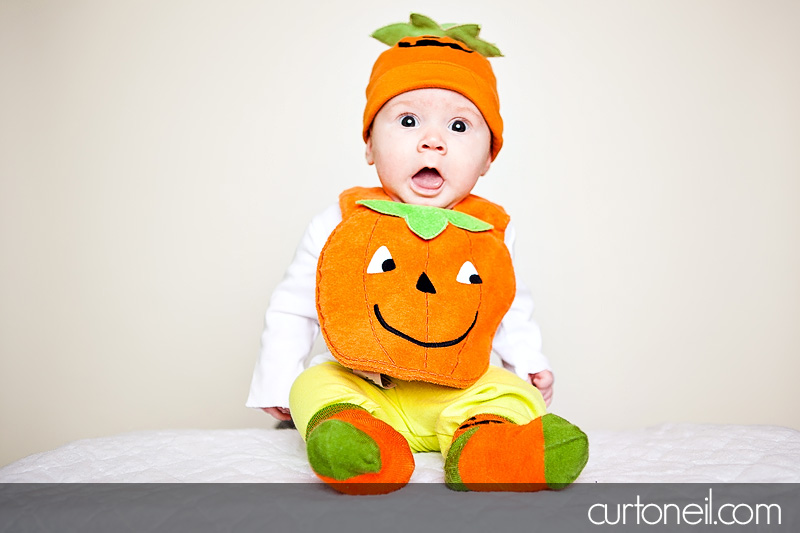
[419,25]
[421,21]
[392,33]
[425,221]
[468,34]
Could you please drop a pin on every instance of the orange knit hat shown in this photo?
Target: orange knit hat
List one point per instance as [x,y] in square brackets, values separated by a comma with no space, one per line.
[429,61]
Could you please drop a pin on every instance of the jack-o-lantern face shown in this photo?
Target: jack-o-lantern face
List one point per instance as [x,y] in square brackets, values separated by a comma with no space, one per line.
[427,309]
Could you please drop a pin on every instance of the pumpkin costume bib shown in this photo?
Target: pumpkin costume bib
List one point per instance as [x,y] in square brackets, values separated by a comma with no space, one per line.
[414,292]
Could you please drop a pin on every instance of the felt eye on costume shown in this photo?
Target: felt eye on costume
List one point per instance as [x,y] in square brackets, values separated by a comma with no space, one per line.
[458,126]
[381,261]
[409,121]
[468,274]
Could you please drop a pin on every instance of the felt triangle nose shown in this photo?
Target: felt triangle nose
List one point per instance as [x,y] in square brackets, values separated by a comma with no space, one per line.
[424,284]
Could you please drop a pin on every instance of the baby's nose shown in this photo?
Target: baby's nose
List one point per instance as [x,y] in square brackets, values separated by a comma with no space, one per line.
[432,141]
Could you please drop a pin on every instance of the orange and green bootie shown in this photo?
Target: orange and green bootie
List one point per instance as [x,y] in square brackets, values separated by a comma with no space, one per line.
[490,453]
[355,453]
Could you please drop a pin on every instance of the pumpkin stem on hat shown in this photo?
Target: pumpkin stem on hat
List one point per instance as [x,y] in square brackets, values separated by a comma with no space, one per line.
[424,54]
[420,25]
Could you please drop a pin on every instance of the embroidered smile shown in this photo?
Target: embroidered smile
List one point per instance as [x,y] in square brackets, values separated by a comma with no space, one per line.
[424,344]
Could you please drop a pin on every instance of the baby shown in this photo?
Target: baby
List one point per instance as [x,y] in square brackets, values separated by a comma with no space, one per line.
[432,127]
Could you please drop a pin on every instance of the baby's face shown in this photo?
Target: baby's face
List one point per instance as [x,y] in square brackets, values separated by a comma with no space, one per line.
[429,147]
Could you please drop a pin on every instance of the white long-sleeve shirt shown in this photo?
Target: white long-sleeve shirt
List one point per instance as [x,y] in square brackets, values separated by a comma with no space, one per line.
[291,325]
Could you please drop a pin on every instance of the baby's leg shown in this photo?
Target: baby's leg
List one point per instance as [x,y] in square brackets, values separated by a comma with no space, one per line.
[347,447]
[502,439]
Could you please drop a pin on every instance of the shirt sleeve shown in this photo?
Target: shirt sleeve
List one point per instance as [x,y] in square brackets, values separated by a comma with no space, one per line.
[518,341]
[290,324]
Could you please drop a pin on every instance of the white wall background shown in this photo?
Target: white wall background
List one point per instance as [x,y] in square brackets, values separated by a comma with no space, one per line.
[159,162]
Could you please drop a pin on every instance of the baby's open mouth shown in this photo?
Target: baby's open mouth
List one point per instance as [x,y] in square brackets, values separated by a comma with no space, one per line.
[428,178]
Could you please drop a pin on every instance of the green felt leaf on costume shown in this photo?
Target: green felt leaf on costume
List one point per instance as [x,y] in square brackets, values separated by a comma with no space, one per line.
[467,222]
[419,25]
[425,221]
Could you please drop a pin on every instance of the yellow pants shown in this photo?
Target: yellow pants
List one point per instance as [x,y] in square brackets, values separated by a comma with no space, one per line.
[427,415]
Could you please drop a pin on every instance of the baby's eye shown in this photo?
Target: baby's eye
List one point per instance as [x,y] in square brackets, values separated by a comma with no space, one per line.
[409,121]
[458,126]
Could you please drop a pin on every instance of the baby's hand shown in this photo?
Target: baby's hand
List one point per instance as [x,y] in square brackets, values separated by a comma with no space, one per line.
[281,413]
[544,382]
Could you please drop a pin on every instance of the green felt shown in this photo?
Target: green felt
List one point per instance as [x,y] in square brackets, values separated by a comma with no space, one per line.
[419,20]
[338,450]
[566,451]
[426,221]
[419,25]
[327,412]
[452,477]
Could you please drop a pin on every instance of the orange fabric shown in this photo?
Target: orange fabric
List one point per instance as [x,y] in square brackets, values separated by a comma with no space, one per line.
[356,330]
[477,421]
[397,462]
[348,198]
[504,457]
[405,68]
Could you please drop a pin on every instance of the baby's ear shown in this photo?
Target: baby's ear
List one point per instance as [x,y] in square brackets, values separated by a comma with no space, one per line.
[488,164]
[368,152]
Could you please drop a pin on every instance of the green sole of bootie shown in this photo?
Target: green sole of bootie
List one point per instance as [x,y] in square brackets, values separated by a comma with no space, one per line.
[566,451]
[452,477]
[340,451]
